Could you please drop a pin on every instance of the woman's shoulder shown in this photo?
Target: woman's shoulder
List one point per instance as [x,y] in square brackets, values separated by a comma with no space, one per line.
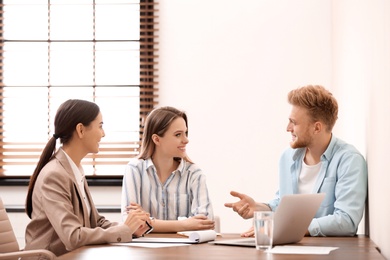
[54,172]
[189,166]
[134,161]
[139,165]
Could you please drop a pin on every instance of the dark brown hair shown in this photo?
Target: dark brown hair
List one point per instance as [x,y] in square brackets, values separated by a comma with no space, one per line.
[69,114]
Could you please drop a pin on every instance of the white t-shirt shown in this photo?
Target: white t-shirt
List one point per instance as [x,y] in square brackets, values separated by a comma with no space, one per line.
[308,177]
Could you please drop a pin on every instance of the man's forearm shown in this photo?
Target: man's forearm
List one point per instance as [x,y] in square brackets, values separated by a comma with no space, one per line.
[262,207]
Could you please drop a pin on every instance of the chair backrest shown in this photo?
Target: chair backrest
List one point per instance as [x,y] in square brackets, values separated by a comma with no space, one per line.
[8,241]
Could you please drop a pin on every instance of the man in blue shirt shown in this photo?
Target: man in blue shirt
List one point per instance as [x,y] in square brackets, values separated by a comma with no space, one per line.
[317,162]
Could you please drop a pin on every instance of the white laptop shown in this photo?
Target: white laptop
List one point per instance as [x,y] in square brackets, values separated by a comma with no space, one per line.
[291,220]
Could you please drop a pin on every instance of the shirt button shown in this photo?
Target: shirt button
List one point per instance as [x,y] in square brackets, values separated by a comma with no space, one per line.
[118,239]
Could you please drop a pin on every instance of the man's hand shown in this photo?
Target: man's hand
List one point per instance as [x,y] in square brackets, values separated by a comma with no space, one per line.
[249,233]
[244,207]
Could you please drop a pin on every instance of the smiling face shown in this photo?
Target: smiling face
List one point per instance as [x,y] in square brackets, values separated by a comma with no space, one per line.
[301,128]
[173,142]
[93,134]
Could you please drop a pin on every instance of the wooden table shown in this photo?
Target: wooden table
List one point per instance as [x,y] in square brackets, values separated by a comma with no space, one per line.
[358,247]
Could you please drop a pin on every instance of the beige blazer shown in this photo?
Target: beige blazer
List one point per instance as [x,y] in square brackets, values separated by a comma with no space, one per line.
[60,220]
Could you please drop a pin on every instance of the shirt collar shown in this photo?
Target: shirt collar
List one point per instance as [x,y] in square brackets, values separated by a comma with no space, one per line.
[180,169]
[78,173]
[329,150]
[300,152]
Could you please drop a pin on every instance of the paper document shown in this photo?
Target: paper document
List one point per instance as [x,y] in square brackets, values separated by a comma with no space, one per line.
[194,237]
[150,245]
[312,250]
[157,245]
[188,233]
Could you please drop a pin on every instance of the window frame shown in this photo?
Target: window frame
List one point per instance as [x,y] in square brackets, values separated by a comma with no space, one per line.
[148,85]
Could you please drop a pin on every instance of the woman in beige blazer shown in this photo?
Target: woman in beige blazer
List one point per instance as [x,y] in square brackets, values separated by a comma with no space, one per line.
[63,215]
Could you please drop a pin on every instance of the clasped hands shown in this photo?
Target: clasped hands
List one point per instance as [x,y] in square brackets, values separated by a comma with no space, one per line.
[197,222]
[138,221]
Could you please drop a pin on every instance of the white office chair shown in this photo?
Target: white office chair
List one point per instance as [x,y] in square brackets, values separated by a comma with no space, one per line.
[9,247]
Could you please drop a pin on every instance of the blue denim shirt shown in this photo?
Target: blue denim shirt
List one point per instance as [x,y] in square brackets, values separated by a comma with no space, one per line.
[343,177]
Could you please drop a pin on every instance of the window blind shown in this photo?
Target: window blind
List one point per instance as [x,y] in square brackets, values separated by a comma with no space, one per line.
[54,50]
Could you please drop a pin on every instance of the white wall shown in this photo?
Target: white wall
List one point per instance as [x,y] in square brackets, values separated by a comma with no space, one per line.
[210,50]
[378,125]
[229,65]
[361,51]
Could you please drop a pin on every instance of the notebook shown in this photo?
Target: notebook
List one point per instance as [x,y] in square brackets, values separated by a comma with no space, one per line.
[291,220]
[191,237]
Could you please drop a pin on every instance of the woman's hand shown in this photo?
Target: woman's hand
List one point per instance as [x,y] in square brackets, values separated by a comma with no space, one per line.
[134,206]
[198,222]
[136,221]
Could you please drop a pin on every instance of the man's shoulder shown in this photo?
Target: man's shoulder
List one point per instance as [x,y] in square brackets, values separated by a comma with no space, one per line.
[341,146]
[341,151]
